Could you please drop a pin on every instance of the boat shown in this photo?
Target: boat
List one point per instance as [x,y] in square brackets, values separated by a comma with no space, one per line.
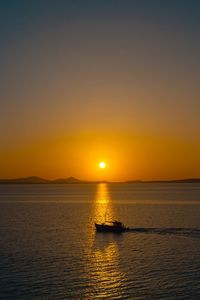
[113,226]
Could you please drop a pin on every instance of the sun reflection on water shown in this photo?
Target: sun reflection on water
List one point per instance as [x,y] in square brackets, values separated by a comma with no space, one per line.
[103,209]
[103,257]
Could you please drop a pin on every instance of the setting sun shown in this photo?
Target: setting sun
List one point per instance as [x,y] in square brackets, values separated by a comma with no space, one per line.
[102,165]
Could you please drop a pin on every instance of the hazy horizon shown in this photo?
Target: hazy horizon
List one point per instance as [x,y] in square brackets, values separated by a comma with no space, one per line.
[101,180]
[90,81]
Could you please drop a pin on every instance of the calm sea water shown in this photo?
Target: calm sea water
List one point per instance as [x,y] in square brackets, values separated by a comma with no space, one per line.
[49,248]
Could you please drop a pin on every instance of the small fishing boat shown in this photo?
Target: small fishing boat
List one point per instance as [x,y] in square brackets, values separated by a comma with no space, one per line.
[114,226]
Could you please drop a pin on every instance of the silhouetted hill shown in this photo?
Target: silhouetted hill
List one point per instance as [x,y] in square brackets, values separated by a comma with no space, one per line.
[187,180]
[68,180]
[30,180]
[39,180]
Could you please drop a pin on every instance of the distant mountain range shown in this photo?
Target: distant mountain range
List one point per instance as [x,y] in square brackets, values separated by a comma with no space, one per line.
[186,180]
[38,180]
[73,180]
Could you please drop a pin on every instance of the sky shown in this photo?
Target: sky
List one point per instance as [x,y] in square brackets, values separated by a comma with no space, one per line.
[102,80]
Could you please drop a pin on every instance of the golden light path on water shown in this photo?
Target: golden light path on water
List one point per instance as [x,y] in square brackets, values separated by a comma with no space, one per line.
[103,204]
[104,257]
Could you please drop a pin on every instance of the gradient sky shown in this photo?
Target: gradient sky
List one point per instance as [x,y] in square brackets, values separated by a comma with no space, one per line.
[85,81]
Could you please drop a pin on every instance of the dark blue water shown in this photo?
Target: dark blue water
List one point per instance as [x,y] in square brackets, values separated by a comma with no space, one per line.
[49,248]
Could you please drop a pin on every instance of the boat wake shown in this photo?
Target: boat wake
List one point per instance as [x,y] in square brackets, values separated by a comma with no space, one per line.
[187,232]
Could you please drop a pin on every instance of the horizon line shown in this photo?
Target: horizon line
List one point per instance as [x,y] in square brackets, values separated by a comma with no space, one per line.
[71,179]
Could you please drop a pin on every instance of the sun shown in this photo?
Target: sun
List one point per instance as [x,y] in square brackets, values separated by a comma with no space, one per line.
[102,165]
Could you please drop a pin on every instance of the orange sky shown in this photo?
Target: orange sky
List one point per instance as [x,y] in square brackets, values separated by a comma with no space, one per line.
[128,156]
[107,81]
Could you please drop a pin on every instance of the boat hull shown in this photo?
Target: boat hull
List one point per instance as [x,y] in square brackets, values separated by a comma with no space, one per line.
[109,228]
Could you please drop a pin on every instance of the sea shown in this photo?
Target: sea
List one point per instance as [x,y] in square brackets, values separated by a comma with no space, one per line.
[49,248]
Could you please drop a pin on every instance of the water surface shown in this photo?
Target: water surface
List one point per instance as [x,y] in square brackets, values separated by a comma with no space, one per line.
[49,248]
